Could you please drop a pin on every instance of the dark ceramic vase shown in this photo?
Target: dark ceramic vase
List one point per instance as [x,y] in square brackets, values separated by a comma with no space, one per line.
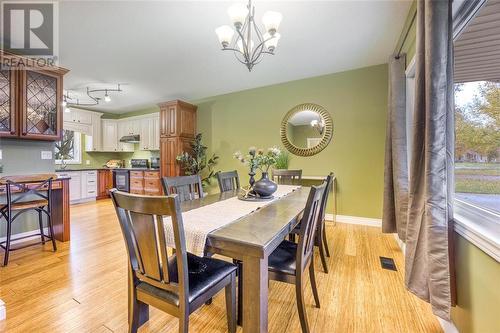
[265,187]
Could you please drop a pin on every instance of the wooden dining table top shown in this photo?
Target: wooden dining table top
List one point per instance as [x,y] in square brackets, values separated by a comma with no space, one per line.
[259,232]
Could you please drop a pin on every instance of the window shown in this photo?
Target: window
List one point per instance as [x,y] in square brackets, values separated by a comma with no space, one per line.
[69,148]
[477,124]
[477,143]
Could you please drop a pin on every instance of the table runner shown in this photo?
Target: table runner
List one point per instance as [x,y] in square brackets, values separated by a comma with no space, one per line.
[199,222]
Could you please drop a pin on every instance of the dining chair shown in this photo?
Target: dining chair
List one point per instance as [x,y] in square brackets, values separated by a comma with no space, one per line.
[228,181]
[289,262]
[320,239]
[34,193]
[186,187]
[287,177]
[177,284]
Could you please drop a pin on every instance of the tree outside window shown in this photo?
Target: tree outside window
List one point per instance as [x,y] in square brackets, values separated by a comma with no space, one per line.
[68,150]
[477,143]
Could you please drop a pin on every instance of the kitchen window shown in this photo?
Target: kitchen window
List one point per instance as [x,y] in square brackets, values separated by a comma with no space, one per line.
[69,149]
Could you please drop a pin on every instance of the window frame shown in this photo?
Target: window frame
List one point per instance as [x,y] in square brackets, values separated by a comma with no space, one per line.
[77,149]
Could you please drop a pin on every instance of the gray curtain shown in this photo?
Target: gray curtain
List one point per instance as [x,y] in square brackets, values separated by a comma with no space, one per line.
[431,167]
[396,165]
[430,181]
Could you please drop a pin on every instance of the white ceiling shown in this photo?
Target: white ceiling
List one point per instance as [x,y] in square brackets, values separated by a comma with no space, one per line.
[167,50]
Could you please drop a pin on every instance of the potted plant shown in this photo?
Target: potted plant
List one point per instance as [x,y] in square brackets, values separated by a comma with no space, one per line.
[196,162]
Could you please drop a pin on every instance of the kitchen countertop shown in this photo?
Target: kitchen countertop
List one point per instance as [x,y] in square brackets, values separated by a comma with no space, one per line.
[112,169]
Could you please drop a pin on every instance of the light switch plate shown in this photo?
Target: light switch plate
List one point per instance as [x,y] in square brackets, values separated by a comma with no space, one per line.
[0,154]
[46,155]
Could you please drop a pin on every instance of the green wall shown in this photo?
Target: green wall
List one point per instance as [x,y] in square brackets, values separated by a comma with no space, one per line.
[478,289]
[357,102]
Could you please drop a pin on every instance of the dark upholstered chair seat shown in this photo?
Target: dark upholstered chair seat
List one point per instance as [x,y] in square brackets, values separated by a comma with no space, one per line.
[204,273]
[283,259]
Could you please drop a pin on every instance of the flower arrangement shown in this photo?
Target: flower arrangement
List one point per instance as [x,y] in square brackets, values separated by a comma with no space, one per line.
[258,159]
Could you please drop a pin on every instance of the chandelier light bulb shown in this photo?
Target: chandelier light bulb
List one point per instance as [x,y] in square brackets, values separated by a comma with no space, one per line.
[64,103]
[238,14]
[107,99]
[225,34]
[271,42]
[271,21]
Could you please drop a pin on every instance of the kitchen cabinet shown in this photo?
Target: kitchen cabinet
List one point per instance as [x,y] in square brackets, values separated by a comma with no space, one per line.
[82,185]
[177,118]
[145,182]
[30,100]
[104,183]
[109,135]
[123,130]
[177,131]
[78,116]
[8,103]
[131,127]
[89,184]
[94,142]
[150,133]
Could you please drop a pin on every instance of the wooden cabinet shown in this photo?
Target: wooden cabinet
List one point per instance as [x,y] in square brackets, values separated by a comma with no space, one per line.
[145,182]
[40,105]
[177,130]
[8,103]
[177,118]
[104,183]
[30,100]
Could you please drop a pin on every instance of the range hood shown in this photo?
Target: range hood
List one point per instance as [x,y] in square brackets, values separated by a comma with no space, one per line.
[131,138]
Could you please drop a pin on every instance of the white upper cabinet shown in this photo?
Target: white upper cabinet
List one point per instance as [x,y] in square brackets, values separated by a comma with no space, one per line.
[78,116]
[93,142]
[150,133]
[124,129]
[109,135]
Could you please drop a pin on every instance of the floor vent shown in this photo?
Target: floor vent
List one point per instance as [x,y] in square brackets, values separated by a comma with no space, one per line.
[388,263]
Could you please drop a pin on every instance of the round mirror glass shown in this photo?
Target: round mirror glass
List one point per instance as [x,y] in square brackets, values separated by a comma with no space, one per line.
[306,129]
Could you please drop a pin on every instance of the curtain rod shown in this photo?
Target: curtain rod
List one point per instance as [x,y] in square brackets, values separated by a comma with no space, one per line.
[406,35]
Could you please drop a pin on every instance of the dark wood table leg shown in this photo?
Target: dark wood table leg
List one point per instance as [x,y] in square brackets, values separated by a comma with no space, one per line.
[255,290]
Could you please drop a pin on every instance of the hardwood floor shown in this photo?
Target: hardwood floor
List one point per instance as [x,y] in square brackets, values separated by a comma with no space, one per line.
[82,287]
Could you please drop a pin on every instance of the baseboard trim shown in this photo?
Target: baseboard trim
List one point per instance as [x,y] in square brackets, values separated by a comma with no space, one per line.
[447,326]
[371,222]
[25,234]
[3,312]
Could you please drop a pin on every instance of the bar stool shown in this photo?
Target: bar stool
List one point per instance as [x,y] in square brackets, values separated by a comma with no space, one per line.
[27,187]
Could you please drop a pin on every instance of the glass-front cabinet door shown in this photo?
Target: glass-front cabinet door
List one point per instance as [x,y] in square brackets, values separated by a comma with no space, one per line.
[7,103]
[41,117]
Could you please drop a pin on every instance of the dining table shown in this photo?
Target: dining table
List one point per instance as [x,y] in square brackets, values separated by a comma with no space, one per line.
[251,239]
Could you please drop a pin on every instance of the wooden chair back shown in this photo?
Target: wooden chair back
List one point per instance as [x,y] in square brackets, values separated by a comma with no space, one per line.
[142,224]
[324,201]
[287,177]
[228,181]
[24,185]
[186,187]
[308,226]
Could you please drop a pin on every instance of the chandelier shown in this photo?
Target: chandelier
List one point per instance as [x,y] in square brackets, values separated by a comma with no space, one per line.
[250,44]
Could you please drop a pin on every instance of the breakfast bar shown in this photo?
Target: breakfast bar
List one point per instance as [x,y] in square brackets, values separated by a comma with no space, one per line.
[60,208]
